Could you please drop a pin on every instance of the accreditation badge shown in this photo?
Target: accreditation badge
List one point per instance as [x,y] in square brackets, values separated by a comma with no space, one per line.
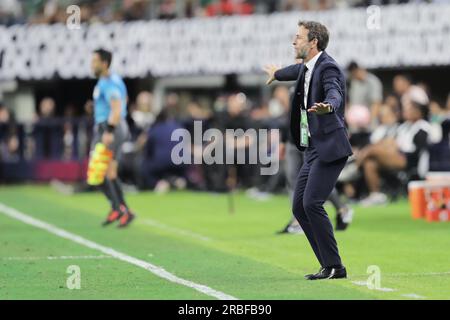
[304,130]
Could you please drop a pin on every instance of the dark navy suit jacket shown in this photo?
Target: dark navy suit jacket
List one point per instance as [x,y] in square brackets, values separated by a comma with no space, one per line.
[328,132]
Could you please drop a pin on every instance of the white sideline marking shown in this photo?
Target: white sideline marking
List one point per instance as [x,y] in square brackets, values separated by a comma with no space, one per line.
[159,225]
[158,271]
[418,274]
[57,258]
[413,295]
[425,274]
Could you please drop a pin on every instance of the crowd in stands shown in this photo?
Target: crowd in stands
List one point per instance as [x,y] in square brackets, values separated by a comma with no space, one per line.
[396,136]
[54,11]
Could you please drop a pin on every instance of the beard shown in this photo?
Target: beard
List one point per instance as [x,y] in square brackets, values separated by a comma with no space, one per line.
[302,54]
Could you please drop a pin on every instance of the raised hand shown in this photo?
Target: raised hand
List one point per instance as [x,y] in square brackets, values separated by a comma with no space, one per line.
[320,108]
[270,70]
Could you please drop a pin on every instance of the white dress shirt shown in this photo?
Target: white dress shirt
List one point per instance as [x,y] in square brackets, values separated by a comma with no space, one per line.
[310,65]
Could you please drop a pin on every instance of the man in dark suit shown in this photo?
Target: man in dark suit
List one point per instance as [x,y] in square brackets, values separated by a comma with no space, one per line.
[317,127]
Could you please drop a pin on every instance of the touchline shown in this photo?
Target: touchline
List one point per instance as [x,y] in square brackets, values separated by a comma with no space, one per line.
[229,147]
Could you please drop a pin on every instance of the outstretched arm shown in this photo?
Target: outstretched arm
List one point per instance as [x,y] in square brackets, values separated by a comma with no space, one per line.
[289,73]
[333,91]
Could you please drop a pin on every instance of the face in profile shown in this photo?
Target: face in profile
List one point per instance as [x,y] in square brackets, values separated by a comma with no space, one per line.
[97,65]
[301,44]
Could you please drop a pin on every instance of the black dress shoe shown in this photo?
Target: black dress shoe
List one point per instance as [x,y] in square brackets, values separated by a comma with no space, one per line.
[329,273]
[308,276]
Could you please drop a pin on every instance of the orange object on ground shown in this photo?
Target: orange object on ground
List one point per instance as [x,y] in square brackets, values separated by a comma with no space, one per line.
[438,215]
[416,195]
[435,196]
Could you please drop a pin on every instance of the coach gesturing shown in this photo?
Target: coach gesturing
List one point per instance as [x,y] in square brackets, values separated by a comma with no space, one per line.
[317,127]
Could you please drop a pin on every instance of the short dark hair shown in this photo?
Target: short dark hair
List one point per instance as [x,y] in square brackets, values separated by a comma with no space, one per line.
[105,55]
[352,66]
[318,31]
[408,77]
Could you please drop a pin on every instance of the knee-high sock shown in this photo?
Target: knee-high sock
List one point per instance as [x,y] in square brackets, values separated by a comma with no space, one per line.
[106,188]
[118,191]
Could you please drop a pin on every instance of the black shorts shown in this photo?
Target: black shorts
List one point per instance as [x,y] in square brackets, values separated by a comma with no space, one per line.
[121,134]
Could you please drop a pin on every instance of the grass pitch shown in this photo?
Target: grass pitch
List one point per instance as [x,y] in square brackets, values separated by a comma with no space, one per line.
[192,236]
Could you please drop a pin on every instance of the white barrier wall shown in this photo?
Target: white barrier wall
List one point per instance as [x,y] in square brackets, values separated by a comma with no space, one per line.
[400,35]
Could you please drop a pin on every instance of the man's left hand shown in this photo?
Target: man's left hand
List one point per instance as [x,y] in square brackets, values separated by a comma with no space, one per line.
[321,108]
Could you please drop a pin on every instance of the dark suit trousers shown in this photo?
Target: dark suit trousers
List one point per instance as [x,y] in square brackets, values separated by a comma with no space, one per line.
[314,184]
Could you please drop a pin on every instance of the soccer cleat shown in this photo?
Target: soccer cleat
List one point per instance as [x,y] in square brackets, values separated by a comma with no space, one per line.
[114,215]
[329,273]
[126,219]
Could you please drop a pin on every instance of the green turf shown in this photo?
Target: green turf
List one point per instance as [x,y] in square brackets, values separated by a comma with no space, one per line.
[193,236]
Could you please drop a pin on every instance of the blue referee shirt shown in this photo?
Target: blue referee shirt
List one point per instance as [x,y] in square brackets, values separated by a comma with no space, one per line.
[106,89]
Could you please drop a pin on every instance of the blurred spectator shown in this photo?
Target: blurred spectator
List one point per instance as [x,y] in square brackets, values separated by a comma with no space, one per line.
[280,103]
[46,108]
[10,12]
[9,149]
[158,169]
[143,115]
[69,127]
[228,7]
[388,127]
[172,104]
[306,5]
[438,112]
[48,131]
[136,10]
[5,116]
[408,92]
[167,10]
[446,123]
[400,154]
[393,102]
[141,119]
[358,118]
[236,117]
[365,89]
[9,139]
[277,118]
[199,175]
[85,124]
